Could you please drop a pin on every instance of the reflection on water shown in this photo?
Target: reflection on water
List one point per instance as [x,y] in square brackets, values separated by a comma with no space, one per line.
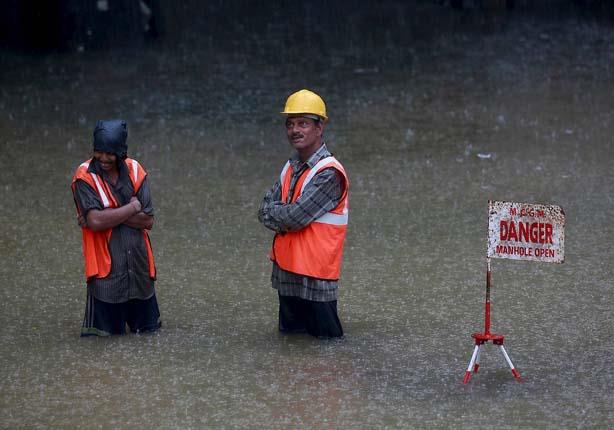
[428,129]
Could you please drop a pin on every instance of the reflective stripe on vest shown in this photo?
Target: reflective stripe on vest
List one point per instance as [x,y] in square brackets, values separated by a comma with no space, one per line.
[319,165]
[283,172]
[329,217]
[135,171]
[334,219]
[103,196]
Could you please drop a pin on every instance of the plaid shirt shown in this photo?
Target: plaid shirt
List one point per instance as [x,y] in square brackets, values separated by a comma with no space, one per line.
[320,196]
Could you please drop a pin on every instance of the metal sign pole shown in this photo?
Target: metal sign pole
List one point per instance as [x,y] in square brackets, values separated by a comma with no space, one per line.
[487,302]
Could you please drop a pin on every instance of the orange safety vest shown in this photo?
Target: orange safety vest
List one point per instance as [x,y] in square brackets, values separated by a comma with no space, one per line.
[315,250]
[95,243]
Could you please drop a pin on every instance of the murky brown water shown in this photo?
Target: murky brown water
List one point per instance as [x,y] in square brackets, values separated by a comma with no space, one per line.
[409,121]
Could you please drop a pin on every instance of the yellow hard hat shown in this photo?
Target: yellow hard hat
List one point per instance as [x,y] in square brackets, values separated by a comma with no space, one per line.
[305,101]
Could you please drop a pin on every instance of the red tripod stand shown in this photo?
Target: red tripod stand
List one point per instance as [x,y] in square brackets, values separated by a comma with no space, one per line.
[482,338]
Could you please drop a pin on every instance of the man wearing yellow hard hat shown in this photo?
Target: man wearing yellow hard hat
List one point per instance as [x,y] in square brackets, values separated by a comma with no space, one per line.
[307,208]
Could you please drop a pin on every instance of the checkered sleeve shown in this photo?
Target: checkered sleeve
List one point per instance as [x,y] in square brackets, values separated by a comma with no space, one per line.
[271,197]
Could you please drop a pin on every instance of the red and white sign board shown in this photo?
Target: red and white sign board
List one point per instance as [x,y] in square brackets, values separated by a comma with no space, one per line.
[523,231]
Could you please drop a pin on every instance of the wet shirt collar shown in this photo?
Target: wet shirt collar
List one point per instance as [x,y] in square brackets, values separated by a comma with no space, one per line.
[297,164]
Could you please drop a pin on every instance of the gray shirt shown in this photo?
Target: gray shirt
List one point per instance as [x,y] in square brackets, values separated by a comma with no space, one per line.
[129,276]
[320,196]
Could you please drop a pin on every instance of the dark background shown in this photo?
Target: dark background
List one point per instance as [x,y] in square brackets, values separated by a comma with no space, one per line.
[68,25]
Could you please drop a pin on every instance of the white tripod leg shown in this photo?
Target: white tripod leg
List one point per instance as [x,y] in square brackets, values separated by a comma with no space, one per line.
[509,362]
[471,363]
[477,359]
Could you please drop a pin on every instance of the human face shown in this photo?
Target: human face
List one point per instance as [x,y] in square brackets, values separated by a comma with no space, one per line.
[107,161]
[304,134]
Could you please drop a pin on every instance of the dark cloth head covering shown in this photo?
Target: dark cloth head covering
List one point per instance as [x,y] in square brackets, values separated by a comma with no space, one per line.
[110,136]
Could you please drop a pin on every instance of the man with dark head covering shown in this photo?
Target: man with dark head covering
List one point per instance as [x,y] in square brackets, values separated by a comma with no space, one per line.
[115,212]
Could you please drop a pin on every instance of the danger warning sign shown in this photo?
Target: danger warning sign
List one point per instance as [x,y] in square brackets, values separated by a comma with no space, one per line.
[523,231]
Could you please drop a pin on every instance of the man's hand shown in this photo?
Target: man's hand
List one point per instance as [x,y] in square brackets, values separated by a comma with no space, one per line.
[267,215]
[136,203]
[81,221]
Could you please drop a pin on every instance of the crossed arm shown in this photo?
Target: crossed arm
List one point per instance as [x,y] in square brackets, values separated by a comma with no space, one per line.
[129,214]
[136,213]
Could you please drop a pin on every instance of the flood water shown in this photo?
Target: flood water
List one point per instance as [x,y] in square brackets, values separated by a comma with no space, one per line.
[430,124]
